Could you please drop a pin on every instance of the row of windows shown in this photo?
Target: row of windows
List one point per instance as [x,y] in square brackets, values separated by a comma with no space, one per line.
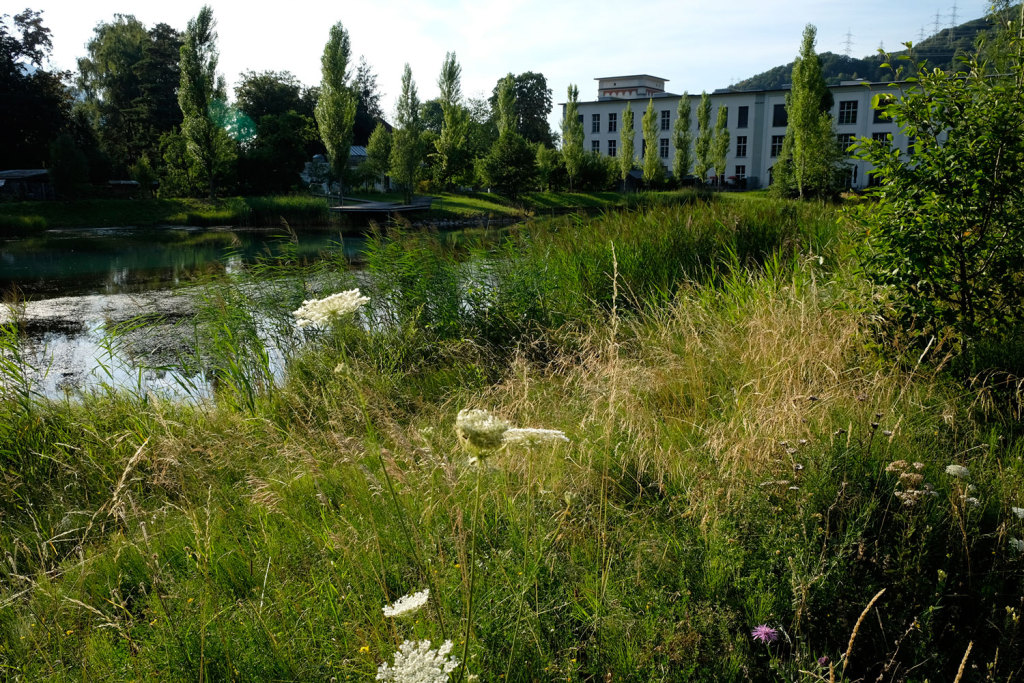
[742,119]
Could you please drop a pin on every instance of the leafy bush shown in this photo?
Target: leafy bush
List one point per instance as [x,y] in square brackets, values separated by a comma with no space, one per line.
[946,234]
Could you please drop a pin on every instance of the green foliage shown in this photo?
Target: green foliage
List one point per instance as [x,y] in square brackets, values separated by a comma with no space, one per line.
[452,157]
[811,161]
[34,106]
[704,161]
[336,104]
[550,167]
[572,136]
[129,79]
[407,143]
[69,168]
[720,143]
[532,106]
[682,140]
[207,145]
[511,166]
[654,170]
[627,142]
[378,151]
[945,236]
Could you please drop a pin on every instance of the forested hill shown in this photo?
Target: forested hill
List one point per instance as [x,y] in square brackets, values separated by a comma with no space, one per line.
[939,50]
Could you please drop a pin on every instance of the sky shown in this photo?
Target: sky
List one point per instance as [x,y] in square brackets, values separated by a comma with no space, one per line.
[695,44]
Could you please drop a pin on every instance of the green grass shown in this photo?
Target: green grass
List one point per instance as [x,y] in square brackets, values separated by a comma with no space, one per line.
[740,449]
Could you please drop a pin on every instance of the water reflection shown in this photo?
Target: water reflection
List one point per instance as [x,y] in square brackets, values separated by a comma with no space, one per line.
[130,260]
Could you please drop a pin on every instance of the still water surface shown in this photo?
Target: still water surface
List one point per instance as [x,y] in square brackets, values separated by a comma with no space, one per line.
[74,283]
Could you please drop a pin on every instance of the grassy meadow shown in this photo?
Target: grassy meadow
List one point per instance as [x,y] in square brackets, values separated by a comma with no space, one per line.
[748,446]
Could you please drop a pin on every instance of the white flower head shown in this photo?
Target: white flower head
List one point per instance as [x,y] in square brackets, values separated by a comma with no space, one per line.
[322,311]
[1017,545]
[1018,511]
[958,471]
[416,662]
[533,437]
[482,429]
[407,603]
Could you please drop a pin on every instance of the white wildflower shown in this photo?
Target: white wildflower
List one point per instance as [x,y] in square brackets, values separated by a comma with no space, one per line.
[533,437]
[322,311]
[972,501]
[1017,545]
[416,662]
[482,429]
[958,471]
[1018,511]
[407,603]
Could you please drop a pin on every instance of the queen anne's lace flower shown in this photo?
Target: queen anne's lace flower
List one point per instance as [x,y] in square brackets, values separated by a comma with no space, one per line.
[322,311]
[416,662]
[958,471]
[1018,511]
[482,429]
[1017,545]
[407,603]
[533,437]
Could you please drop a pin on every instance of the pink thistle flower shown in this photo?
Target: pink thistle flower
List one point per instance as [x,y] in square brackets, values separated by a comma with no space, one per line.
[765,633]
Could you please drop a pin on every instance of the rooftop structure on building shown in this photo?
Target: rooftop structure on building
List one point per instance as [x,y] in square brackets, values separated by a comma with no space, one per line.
[628,87]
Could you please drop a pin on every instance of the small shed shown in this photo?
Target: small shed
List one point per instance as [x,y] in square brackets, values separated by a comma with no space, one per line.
[26,184]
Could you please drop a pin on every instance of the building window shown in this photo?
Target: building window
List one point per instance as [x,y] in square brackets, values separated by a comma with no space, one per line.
[613,123]
[741,145]
[611,148]
[777,145]
[847,112]
[882,137]
[580,119]
[879,115]
[779,117]
[595,123]
[845,140]
[911,144]
[741,172]
[666,119]
[595,146]
[741,116]
[663,148]
[643,148]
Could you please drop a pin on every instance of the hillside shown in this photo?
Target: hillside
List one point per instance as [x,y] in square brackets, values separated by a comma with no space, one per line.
[940,50]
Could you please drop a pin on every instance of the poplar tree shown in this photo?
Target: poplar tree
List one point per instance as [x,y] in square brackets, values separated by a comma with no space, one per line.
[572,137]
[627,141]
[654,171]
[450,145]
[811,161]
[703,146]
[336,106]
[720,143]
[206,143]
[406,145]
[682,140]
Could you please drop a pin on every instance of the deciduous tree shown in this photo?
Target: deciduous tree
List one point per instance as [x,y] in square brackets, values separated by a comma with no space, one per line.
[682,140]
[206,142]
[720,143]
[627,142]
[704,161]
[572,136]
[336,106]
[451,144]
[406,141]
[654,170]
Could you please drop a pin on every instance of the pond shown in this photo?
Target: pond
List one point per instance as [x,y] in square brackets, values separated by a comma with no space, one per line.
[73,285]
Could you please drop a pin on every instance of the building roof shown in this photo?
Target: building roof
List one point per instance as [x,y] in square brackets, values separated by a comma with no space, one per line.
[611,78]
[24,174]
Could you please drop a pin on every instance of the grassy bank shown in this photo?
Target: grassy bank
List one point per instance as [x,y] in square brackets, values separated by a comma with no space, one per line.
[739,454]
[297,210]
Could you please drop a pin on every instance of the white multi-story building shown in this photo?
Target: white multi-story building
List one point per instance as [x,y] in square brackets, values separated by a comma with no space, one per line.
[756,121]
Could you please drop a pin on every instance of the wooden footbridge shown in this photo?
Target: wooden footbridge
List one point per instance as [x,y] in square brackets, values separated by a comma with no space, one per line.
[365,207]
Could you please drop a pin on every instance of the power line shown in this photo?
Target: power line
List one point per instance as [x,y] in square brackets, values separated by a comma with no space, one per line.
[938,23]
[953,16]
[848,44]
